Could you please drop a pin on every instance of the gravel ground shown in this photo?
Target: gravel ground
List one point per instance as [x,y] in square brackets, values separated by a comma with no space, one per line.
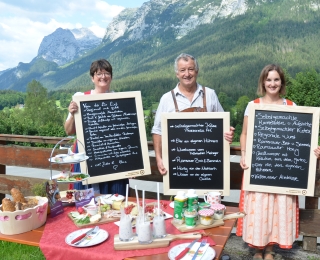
[238,250]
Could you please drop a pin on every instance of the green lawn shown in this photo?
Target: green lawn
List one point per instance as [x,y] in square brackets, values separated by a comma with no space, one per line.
[14,251]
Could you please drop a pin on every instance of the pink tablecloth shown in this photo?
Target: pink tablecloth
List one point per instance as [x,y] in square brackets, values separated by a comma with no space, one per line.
[54,247]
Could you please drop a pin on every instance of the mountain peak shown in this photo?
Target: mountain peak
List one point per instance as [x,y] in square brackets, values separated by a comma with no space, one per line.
[181,16]
[64,45]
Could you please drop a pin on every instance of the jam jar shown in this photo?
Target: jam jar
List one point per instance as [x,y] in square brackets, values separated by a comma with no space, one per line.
[206,216]
[219,210]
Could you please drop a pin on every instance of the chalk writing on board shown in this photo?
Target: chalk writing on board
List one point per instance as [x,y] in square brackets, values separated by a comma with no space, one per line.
[111,134]
[281,149]
[195,148]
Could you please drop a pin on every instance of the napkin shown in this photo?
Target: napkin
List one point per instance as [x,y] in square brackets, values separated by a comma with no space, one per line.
[193,249]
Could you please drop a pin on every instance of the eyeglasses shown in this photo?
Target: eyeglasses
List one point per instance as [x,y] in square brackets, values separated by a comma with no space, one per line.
[100,75]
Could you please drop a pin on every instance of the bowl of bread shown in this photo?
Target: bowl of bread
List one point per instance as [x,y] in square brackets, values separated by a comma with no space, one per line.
[22,214]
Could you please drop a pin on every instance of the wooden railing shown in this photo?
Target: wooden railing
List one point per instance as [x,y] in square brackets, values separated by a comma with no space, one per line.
[35,157]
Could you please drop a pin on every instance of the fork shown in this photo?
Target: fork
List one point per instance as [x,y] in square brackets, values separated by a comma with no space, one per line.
[203,243]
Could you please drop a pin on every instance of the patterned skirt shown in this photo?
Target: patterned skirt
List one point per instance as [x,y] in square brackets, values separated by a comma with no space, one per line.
[271,219]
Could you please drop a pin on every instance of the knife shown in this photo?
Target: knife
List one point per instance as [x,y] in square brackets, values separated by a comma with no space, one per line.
[81,236]
[186,250]
[91,237]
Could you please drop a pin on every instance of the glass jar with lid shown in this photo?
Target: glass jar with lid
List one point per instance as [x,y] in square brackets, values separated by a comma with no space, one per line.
[219,210]
[206,216]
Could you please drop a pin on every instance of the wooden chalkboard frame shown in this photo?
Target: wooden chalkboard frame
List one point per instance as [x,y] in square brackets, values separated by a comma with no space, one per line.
[225,117]
[142,132]
[314,112]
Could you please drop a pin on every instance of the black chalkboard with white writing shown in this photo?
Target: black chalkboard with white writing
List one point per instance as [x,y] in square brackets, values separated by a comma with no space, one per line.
[111,136]
[281,149]
[195,151]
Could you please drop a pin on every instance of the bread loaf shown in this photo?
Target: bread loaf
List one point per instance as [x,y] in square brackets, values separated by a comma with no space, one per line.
[8,205]
[17,196]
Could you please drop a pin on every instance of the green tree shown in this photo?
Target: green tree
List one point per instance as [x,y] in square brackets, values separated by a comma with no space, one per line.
[149,124]
[240,108]
[238,116]
[304,89]
[225,101]
[42,111]
[36,101]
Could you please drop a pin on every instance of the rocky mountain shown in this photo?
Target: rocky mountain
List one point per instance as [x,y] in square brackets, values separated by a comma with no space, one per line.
[63,45]
[181,16]
[232,39]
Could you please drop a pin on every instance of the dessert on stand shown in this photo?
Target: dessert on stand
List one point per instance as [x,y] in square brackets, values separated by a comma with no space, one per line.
[70,158]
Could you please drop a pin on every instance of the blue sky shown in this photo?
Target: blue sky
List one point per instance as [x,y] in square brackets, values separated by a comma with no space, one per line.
[24,23]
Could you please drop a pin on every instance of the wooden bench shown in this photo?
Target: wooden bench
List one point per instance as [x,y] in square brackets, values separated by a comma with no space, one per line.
[36,157]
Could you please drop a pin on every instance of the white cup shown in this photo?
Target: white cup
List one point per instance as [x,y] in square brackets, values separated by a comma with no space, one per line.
[212,197]
[91,209]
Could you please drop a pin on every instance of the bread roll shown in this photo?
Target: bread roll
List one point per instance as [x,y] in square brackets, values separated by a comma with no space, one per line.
[33,200]
[17,196]
[28,206]
[8,205]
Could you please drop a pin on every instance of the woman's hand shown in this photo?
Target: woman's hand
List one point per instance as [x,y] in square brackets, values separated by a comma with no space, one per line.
[73,107]
[243,163]
[317,152]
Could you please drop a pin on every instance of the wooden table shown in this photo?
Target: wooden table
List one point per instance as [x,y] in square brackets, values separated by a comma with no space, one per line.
[219,234]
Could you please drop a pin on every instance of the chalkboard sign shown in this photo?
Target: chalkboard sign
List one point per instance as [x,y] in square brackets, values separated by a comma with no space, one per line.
[279,149]
[195,153]
[111,128]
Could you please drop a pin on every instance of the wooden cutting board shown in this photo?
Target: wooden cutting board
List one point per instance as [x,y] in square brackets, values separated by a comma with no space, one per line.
[184,228]
[159,242]
[103,220]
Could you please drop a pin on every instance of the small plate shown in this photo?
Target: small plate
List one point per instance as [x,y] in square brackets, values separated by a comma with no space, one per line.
[99,238]
[108,198]
[176,250]
[64,161]
[68,181]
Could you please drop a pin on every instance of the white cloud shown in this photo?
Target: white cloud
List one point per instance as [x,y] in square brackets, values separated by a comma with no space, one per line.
[24,23]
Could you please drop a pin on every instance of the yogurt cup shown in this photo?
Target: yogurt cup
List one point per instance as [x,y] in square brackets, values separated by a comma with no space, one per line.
[204,205]
[190,218]
[125,227]
[192,200]
[206,216]
[159,227]
[219,210]
[145,233]
[180,205]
